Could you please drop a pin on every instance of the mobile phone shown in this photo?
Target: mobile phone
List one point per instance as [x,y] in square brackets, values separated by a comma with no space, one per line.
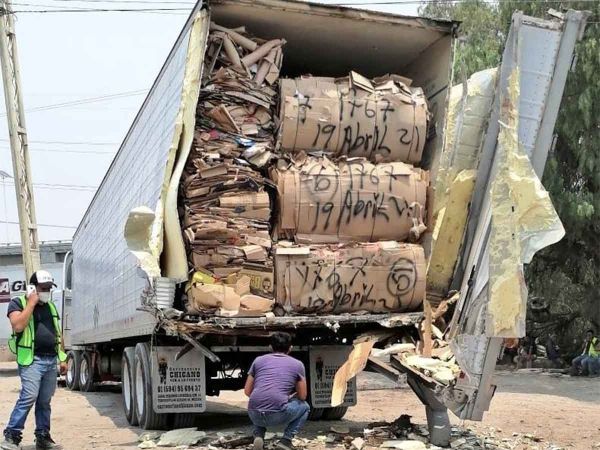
[30,288]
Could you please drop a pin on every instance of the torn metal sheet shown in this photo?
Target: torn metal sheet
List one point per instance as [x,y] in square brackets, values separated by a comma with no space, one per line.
[523,222]
[175,259]
[138,235]
[356,362]
[469,109]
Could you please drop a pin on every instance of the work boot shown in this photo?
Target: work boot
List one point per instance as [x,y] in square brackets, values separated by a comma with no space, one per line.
[259,443]
[10,443]
[285,444]
[45,442]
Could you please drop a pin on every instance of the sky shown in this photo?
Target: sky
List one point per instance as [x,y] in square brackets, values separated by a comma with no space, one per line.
[79,57]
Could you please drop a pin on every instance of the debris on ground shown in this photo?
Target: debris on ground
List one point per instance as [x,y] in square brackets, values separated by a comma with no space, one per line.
[182,436]
[401,434]
[234,442]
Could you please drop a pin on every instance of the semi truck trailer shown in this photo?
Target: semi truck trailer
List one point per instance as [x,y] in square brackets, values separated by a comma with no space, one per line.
[128,277]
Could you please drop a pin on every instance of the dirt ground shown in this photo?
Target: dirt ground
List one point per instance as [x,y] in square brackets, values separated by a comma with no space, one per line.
[563,411]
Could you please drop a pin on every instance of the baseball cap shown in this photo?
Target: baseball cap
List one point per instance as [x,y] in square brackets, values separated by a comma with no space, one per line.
[41,277]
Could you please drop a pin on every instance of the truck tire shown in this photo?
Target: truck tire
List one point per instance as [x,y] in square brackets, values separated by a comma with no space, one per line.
[147,418]
[315,413]
[182,420]
[128,385]
[334,413]
[86,372]
[72,375]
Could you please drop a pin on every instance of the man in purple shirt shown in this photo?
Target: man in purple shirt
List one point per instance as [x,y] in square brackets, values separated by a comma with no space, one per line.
[277,389]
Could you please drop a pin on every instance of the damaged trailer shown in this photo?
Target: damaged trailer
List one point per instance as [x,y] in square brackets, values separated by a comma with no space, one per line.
[278,177]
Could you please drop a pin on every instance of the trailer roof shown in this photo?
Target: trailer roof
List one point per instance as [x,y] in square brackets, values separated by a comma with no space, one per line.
[439,26]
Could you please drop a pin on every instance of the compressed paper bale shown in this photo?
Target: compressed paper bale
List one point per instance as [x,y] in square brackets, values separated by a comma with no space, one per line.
[383,121]
[376,277]
[354,200]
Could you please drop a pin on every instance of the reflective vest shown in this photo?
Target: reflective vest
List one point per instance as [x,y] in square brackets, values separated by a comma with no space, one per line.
[23,345]
[592,348]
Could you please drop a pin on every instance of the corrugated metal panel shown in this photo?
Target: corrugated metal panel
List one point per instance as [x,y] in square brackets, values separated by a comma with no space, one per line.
[106,285]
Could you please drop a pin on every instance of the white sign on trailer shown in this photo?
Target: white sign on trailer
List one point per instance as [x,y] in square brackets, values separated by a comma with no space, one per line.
[324,363]
[178,386]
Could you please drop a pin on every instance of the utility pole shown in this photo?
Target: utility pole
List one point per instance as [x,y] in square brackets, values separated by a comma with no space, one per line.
[18,140]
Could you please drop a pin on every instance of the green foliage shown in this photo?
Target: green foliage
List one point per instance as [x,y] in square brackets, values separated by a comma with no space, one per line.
[565,276]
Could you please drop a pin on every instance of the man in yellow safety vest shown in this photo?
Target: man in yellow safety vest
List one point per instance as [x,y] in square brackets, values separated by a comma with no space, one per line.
[37,342]
[587,362]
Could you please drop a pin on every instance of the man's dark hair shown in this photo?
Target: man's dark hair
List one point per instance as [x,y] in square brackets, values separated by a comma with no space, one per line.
[591,331]
[281,342]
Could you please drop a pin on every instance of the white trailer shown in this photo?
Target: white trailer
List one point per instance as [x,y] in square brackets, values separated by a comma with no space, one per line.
[116,336]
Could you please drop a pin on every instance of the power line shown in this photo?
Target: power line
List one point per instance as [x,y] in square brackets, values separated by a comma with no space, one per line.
[60,187]
[10,222]
[145,2]
[57,150]
[84,101]
[88,10]
[68,142]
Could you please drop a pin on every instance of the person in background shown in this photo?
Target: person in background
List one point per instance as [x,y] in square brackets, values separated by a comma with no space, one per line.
[552,352]
[37,342]
[587,362]
[276,386]
[527,353]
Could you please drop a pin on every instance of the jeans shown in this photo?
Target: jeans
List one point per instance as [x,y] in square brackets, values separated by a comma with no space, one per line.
[294,416]
[593,365]
[589,364]
[38,383]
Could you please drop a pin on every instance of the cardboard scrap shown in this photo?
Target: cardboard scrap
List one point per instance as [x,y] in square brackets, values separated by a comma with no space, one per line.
[225,204]
[322,201]
[375,277]
[441,366]
[382,120]
[356,362]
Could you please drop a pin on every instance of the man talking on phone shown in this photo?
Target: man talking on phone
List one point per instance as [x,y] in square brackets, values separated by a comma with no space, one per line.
[37,342]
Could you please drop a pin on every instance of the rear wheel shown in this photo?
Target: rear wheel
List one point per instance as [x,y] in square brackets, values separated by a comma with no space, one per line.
[86,372]
[315,413]
[147,418]
[335,413]
[182,420]
[127,385]
[72,375]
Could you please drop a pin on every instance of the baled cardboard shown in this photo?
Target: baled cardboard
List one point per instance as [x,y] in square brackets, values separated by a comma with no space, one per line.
[382,120]
[332,279]
[353,200]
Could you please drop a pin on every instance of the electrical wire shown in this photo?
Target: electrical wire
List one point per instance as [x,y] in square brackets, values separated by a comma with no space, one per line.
[85,101]
[89,10]
[10,222]
[61,187]
[67,142]
[59,150]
